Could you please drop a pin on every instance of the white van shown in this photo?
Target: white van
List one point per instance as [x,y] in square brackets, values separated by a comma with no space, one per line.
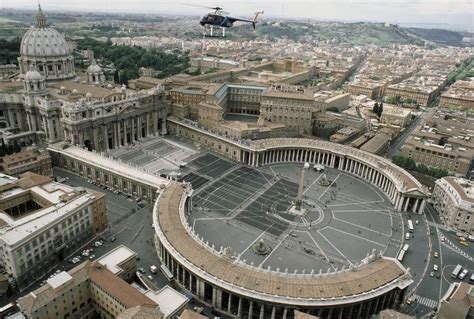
[463,274]
[407,236]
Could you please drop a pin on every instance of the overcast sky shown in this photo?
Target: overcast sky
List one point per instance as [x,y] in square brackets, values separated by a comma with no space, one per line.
[453,12]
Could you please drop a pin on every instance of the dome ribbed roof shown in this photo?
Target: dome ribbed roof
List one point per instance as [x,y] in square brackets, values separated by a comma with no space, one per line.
[43,41]
[33,75]
[94,68]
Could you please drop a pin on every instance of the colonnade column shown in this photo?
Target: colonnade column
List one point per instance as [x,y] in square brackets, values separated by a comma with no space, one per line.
[125,142]
[415,207]
[422,206]
[106,138]
[406,204]
[132,119]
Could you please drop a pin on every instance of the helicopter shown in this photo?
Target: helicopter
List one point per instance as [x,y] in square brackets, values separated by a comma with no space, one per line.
[220,18]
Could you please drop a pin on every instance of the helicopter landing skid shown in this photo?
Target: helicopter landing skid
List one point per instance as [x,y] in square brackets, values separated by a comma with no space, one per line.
[211,32]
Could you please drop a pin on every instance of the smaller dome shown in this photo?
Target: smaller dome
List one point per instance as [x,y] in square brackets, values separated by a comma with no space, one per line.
[33,75]
[75,91]
[94,68]
[62,88]
[88,94]
[110,86]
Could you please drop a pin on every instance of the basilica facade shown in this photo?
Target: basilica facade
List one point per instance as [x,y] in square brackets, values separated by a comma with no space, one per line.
[51,102]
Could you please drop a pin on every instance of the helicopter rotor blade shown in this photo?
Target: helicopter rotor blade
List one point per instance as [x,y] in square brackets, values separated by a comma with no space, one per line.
[200,6]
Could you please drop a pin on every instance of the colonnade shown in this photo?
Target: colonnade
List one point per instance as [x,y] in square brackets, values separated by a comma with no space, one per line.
[238,306]
[402,201]
[115,181]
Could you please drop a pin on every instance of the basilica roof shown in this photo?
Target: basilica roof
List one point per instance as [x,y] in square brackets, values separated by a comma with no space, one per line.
[42,40]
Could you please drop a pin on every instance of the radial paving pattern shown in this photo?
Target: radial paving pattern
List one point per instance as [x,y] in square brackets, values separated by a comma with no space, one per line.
[236,206]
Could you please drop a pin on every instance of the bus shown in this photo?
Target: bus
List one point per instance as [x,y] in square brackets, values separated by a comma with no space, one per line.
[410,226]
[7,309]
[405,247]
[456,271]
[401,255]
[166,272]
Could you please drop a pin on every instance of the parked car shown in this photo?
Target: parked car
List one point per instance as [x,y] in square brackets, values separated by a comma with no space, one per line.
[436,254]
[435,267]
[141,270]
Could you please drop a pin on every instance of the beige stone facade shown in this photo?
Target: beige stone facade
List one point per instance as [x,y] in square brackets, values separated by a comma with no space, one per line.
[29,160]
[296,110]
[62,219]
[460,95]
[442,140]
[89,290]
[453,198]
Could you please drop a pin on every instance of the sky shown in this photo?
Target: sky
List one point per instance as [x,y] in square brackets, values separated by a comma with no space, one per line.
[450,12]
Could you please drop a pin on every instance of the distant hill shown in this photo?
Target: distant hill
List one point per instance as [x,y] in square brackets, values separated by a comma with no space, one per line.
[332,32]
[440,36]
[361,33]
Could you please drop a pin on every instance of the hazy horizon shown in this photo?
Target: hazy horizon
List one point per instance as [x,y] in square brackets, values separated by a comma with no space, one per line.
[454,13]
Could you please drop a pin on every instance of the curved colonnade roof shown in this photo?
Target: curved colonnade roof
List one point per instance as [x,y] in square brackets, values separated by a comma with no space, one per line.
[366,279]
[409,182]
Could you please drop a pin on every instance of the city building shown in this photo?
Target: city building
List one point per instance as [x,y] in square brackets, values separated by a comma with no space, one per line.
[42,222]
[378,144]
[443,140]
[121,261]
[190,314]
[395,117]
[460,95]
[28,160]
[89,290]
[336,101]
[453,198]
[7,70]
[294,109]
[213,63]
[457,302]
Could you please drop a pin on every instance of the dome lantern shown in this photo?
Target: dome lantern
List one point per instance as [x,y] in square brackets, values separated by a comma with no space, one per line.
[41,18]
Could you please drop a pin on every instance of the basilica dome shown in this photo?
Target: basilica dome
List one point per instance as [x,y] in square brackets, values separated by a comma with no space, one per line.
[43,42]
[46,49]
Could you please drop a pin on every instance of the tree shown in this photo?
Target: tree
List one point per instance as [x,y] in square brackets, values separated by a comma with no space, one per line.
[376,108]
[380,109]
[116,77]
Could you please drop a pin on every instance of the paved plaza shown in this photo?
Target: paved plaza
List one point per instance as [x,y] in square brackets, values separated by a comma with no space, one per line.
[155,155]
[237,206]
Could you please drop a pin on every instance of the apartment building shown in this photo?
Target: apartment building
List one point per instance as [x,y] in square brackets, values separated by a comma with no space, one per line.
[89,290]
[293,109]
[453,198]
[42,222]
[444,140]
[459,95]
[28,160]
